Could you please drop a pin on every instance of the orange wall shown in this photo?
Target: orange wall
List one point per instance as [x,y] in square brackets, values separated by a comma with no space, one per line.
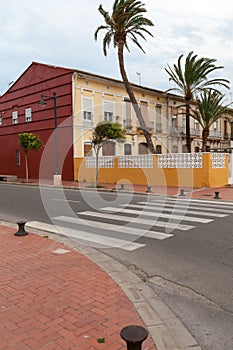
[198,177]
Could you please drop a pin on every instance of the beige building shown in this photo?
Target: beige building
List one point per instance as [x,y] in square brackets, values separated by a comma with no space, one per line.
[97,98]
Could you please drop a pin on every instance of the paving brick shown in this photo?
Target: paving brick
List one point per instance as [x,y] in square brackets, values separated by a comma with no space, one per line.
[50,304]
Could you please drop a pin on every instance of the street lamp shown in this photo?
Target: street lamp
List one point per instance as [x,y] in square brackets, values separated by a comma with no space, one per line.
[43,98]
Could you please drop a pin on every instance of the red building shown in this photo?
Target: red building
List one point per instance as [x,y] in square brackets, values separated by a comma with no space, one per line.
[20,112]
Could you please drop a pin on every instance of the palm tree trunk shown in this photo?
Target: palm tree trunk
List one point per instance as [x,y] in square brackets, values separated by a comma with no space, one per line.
[188,139]
[205,135]
[133,100]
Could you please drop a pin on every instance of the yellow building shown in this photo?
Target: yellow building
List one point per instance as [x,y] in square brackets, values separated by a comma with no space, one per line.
[97,98]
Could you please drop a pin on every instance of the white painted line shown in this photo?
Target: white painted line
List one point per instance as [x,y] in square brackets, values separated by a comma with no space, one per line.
[161,215]
[112,227]
[210,202]
[65,200]
[175,210]
[86,236]
[138,220]
[186,205]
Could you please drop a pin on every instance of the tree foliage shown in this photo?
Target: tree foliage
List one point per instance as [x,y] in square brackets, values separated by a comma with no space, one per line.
[191,79]
[103,132]
[29,141]
[209,109]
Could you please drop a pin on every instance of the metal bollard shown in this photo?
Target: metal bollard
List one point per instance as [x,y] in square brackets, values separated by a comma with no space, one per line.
[216,195]
[134,336]
[181,192]
[21,231]
[148,189]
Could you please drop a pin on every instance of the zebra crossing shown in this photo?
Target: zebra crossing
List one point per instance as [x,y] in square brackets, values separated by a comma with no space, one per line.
[121,227]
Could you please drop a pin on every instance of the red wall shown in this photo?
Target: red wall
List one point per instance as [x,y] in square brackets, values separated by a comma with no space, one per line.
[25,93]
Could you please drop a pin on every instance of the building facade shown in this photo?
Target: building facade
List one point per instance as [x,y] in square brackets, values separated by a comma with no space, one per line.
[82,100]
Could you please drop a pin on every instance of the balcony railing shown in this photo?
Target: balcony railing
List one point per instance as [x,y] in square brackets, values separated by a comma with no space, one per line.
[182,131]
[215,134]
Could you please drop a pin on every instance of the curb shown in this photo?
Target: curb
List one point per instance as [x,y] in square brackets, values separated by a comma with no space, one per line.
[188,194]
[165,328]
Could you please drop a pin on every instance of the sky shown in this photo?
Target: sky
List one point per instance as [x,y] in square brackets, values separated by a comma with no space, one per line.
[61,33]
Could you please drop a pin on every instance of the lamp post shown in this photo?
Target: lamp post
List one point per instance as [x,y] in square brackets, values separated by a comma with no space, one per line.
[43,98]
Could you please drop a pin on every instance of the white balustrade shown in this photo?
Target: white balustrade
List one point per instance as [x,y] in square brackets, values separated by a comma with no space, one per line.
[218,160]
[180,160]
[140,161]
[104,162]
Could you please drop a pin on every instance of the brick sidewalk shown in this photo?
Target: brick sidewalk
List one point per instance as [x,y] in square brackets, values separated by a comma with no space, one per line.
[54,301]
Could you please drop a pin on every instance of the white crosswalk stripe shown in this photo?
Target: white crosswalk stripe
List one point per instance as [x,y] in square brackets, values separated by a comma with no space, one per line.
[173,209]
[200,201]
[126,229]
[195,206]
[130,222]
[161,215]
[84,236]
[138,220]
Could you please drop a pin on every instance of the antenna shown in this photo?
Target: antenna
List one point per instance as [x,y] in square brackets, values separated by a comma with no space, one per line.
[139,77]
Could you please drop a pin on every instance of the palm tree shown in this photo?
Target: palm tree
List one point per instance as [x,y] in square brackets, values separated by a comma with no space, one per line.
[126,22]
[209,109]
[191,80]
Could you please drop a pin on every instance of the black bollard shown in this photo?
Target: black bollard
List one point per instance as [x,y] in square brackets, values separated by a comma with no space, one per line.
[148,189]
[216,195]
[182,192]
[134,336]
[21,231]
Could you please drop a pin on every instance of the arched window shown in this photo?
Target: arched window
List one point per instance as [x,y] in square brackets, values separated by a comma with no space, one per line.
[109,148]
[127,149]
[143,148]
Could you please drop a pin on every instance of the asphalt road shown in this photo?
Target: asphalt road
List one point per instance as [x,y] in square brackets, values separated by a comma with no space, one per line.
[191,271]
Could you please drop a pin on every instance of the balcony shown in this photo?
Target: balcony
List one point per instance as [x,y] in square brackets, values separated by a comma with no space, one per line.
[215,134]
[181,131]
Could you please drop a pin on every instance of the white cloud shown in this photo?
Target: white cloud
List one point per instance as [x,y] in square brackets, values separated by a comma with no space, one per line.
[61,33]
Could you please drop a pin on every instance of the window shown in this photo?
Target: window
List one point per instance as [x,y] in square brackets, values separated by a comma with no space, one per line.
[28,114]
[108,111]
[158,117]
[184,122]
[196,125]
[158,149]
[225,126]
[15,117]
[144,110]
[174,121]
[127,149]
[143,148]
[17,157]
[127,122]
[0,120]
[87,109]
[87,149]
[108,148]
